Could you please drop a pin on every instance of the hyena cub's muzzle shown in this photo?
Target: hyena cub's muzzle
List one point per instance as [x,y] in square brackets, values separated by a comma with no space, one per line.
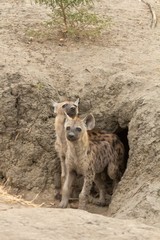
[71,110]
[72,134]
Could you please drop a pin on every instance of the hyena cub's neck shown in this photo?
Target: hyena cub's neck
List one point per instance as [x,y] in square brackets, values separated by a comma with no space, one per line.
[59,127]
[59,122]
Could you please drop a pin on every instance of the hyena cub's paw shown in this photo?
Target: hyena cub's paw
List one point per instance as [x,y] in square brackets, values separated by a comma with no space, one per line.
[82,207]
[100,203]
[63,204]
[97,201]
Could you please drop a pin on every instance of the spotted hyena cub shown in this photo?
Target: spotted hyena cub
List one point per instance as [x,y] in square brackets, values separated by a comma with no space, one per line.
[88,157]
[71,108]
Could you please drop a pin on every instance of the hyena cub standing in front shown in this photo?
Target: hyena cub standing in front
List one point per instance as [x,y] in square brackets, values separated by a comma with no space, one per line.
[87,157]
[71,108]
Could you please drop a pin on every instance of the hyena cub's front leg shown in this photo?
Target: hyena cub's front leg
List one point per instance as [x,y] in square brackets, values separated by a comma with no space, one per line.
[67,188]
[101,201]
[62,162]
[63,169]
[84,195]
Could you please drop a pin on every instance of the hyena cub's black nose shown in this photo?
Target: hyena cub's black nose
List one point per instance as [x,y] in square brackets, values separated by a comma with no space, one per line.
[73,109]
[71,136]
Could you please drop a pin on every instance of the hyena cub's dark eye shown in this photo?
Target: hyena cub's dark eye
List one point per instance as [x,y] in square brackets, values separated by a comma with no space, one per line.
[65,105]
[78,129]
[68,128]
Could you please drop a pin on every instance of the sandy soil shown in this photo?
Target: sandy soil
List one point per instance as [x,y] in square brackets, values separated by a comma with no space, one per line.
[130,37]
[129,45]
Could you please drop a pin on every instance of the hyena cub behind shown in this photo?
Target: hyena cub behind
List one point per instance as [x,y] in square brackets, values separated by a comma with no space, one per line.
[71,108]
[87,157]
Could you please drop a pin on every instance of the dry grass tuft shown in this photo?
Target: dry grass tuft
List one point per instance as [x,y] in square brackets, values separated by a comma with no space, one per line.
[7,198]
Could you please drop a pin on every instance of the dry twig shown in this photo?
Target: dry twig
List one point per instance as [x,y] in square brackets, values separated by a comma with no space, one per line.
[154,17]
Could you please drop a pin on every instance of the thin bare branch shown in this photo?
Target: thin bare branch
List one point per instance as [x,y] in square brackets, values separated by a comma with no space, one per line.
[152,11]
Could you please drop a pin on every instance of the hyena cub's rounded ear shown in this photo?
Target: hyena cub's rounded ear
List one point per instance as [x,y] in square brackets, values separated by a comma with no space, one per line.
[77,102]
[89,121]
[54,105]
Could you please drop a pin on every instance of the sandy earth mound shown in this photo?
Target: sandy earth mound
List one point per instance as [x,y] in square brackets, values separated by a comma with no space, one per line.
[56,224]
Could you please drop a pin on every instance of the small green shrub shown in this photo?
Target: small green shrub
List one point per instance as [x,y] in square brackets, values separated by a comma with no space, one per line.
[75,18]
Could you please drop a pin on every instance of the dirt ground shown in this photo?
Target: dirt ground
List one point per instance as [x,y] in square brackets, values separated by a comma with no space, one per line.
[128,49]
